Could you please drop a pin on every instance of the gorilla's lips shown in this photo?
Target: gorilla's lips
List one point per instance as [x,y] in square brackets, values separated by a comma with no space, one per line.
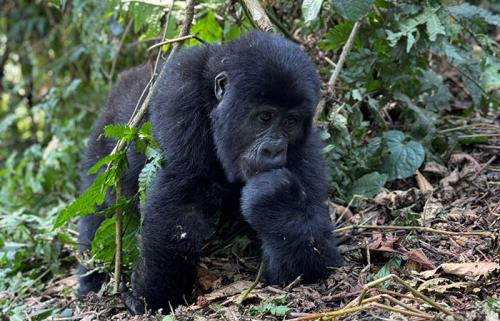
[251,165]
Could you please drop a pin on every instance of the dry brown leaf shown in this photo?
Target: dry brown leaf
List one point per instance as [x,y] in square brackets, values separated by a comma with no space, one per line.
[431,209]
[423,184]
[419,256]
[57,287]
[398,199]
[476,269]
[436,285]
[228,290]
[207,279]
[436,169]
[337,210]
[458,158]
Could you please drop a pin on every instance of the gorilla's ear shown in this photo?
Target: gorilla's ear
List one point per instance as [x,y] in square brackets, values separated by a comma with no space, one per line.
[220,85]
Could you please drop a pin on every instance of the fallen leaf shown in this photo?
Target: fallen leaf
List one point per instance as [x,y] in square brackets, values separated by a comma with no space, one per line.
[337,210]
[207,279]
[423,184]
[458,158]
[398,199]
[417,255]
[436,169]
[228,290]
[436,286]
[477,269]
[431,209]
[57,287]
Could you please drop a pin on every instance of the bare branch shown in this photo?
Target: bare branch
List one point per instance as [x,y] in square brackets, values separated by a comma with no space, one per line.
[343,55]
[258,14]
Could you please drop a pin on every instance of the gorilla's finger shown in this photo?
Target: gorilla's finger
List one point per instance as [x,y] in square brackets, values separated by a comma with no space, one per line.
[134,305]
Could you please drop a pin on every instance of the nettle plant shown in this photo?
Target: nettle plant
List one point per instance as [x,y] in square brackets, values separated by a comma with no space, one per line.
[392,99]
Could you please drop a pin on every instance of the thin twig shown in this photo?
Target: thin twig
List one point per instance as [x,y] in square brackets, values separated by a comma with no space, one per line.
[360,299]
[170,41]
[244,295]
[417,228]
[120,45]
[343,55]
[118,240]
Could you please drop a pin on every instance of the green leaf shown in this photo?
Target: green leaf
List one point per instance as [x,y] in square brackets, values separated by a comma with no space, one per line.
[434,27]
[337,36]
[409,28]
[352,10]
[103,161]
[310,9]
[86,203]
[368,185]
[208,29]
[404,158]
[124,132]
[467,10]
[393,264]
[146,176]
[103,244]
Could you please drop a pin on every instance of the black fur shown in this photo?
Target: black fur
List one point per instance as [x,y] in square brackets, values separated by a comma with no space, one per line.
[217,149]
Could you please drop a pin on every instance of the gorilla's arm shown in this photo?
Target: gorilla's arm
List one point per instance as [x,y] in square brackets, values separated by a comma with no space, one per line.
[287,208]
[171,240]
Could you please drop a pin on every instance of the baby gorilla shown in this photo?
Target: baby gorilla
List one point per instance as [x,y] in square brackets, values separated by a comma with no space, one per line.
[234,123]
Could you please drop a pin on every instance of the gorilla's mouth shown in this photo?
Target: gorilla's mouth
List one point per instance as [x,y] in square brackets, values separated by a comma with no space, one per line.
[250,166]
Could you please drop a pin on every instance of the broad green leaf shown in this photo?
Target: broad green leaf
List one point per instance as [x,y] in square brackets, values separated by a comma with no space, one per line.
[337,36]
[87,202]
[368,185]
[120,132]
[404,158]
[208,29]
[104,245]
[310,9]
[352,10]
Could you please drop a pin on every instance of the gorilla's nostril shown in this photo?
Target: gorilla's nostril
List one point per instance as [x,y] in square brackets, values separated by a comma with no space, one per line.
[273,152]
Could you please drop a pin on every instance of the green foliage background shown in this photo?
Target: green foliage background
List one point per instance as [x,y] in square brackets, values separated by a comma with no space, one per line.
[59,58]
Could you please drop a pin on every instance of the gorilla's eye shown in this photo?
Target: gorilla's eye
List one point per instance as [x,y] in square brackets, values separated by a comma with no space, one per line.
[265,117]
[291,121]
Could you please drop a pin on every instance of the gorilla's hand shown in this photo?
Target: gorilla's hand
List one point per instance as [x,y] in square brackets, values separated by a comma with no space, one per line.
[265,195]
[294,227]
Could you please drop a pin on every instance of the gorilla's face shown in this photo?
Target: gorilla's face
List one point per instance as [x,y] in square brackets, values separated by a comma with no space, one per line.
[266,135]
[253,136]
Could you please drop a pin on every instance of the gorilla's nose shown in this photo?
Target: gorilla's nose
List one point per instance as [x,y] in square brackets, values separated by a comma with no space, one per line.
[272,155]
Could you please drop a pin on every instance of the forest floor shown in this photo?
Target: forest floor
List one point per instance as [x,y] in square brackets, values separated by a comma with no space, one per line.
[459,271]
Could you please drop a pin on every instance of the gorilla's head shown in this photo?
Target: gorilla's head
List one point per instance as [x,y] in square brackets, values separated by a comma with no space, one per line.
[267,91]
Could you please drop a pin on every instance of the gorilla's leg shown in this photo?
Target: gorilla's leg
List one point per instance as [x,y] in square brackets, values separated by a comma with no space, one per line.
[88,225]
[171,240]
[293,224]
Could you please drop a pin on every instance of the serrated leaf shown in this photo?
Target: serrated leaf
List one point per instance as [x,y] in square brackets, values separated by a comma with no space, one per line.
[337,36]
[352,10]
[404,158]
[368,185]
[310,9]
[467,10]
[434,27]
[104,242]
[409,28]
[124,132]
[87,202]
[103,161]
